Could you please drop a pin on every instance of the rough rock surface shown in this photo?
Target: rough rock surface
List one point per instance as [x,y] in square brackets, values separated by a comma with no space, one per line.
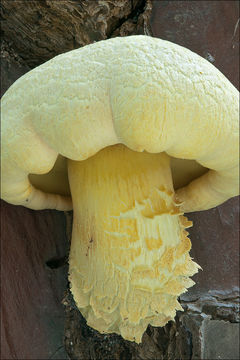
[35,245]
[207,329]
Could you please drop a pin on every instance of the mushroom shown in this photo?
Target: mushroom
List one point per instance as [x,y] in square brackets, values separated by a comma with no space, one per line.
[148,131]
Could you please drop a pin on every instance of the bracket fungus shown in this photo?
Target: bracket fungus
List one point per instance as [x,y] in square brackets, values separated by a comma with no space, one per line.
[148,130]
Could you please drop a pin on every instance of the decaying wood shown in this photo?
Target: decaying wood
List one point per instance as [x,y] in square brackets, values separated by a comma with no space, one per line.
[39,30]
[34,271]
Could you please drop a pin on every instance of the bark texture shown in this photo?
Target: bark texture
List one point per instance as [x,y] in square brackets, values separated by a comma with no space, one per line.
[39,318]
[39,30]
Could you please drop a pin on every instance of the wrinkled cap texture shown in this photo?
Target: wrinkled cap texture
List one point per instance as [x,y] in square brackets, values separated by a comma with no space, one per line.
[148,94]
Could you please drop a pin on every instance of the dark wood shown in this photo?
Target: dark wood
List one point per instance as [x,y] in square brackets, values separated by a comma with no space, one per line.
[40,29]
[35,244]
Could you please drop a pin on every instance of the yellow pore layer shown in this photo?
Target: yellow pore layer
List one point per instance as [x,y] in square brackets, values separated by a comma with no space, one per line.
[129,258]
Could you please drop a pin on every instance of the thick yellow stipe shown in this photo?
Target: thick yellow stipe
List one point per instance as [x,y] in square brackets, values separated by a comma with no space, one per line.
[129,257]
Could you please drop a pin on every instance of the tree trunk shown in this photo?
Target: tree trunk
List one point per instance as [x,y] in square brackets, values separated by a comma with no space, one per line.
[39,317]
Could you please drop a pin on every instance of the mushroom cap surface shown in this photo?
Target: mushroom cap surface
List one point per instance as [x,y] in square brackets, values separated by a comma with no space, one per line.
[146,93]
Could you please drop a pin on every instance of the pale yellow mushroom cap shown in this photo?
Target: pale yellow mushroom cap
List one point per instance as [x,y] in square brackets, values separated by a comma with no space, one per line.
[129,257]
[146,93]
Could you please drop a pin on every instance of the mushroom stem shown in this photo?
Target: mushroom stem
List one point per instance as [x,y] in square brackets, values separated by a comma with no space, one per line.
[129,258]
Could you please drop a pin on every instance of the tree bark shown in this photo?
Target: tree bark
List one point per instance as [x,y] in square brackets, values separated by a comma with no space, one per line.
[39,30]
[39,317]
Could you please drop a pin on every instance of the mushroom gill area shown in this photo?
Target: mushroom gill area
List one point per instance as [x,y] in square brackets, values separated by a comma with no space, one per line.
[129,258]
[56,180]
